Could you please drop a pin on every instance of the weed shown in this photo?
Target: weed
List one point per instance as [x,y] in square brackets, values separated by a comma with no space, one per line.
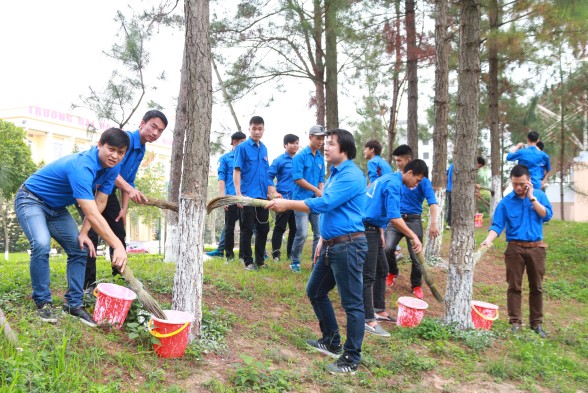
[256,375]
[215,326]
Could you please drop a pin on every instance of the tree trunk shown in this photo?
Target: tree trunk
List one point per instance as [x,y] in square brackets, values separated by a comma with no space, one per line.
[319,71]
[172,239]
[396,84]
[458,295]
[332,105]
[562,141]
[495,17]
[6,234]
[439,173]
[187,295]
[411,73]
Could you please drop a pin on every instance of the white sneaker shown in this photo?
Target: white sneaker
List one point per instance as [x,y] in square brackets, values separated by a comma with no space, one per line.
[378,330]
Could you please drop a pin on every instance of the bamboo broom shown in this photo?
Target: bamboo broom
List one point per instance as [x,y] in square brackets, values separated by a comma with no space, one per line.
[8,332]
[479,254]
[162,204]
[144,297]
[426,276]
[228,200]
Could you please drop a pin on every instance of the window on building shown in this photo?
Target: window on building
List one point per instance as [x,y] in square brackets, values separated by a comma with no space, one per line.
[426,142]
[58,149]
[426,156]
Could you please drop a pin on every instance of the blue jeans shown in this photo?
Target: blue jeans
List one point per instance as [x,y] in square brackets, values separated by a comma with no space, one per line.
[344,268]
[302,220]
[40,223]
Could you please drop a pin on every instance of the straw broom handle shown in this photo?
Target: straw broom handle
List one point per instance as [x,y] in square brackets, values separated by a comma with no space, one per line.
[8,332]
[162,204]
[223,201]
[144,297]
[426,277]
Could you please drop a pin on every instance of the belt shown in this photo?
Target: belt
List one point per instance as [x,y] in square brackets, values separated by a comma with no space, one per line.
[370,227]
[25,189]
[343,238]
[540,243]
[411,216]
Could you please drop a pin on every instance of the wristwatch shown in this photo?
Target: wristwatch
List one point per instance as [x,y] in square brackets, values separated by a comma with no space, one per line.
[533,200]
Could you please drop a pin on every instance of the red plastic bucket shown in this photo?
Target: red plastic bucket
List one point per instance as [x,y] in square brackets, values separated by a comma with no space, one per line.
[112,304]
[478,220]
[483,314]
[410,311]
[173,333]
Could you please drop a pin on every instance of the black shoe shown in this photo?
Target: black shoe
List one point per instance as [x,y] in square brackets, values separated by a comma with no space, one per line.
[539,330]
[80,313]
[343,365]
[46,313]
[515,328]
[322,346]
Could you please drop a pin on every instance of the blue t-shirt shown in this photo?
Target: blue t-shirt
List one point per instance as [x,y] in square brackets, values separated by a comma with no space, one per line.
[72,177]
[412,200]
[225,171]
[377,167]
[383,199]
[520,219]
[450,178]
[534,159]
[252,161]
[130,163]
[310,168]
[281,168]
[343,202]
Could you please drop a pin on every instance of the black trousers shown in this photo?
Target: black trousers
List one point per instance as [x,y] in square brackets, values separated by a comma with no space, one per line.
[253,217]
[283,220]
[393,237]
[448,209]
[110,213]
[231,217]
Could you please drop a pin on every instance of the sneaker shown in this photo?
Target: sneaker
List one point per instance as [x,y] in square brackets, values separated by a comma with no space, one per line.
[343,365]
[321,345]
[262,266]
[391,279]
[515,328]
[295,267]
[90,290]
[276,259]
[448,227]
[539,330]
[250,267]
[378,330]
[418,293]
[399,257]
[215,253]
[381,318]
[79,313]
[45,312]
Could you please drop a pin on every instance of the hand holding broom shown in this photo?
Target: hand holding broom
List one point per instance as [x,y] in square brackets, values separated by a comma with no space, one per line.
[426,276]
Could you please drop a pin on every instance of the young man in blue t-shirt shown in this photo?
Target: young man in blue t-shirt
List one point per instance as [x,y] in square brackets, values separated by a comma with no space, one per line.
[376,166]
[532,157]
[40,205]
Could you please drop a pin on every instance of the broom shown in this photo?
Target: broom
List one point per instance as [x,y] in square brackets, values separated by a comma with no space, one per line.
[479,254]
[228,200]
[8,332]
[162,204]
[144,297]
[426,277]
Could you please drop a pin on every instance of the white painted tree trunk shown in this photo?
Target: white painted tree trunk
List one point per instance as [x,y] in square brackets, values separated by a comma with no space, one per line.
[497,197]
[172,242]
[433,246]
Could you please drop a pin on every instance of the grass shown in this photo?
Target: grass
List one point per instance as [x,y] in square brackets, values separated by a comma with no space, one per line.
[255,326]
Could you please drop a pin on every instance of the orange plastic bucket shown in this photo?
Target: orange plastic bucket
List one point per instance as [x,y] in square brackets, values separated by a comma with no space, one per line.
[410,311]
[483,314]
[478,220]
[112,304]
[173,333]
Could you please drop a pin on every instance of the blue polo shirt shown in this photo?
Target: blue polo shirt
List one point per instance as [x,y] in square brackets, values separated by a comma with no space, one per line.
[252,161]
[310,168]
[132,159]
[450,178]
[412,200]
[281,168]
[72,177]
[534,159]
[343,202]
[546,165]
[519,218]
[225,171]
[383,199]
[377,167]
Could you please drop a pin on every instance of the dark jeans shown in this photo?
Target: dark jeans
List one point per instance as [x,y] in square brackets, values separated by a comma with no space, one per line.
[393,237]
[110,213]
[344,269]
[375,269]
[448,210]
[283,220]
[231,217]
[518,258]
[253,217]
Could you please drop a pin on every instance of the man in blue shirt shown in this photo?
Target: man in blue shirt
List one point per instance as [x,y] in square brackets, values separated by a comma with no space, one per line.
[522,213]
[532,157]
[376,166]
[546,166]
[282,169]
[382,208]
[342,251]
[150,129]
[40,205]
[250,179]
[309,176]
[480,162]
[411,208]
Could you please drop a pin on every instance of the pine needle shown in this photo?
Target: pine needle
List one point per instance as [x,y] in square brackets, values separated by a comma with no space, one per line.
[426,276]
[228,200]
[144,297]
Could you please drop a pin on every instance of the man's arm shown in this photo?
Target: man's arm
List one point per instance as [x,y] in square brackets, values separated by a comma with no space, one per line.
[433,227]
[237,181]
[281,205]
[318,191]
[136,195]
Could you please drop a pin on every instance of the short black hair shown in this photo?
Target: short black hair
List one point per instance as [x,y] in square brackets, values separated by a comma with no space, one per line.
[256,120]
[345,140]
[402,150]
[155,113]
[115,137]
[533,136]
[540,145]
[290,138]
[237,136]
[520,170]
[418,167]
[374,144]
[480,160]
